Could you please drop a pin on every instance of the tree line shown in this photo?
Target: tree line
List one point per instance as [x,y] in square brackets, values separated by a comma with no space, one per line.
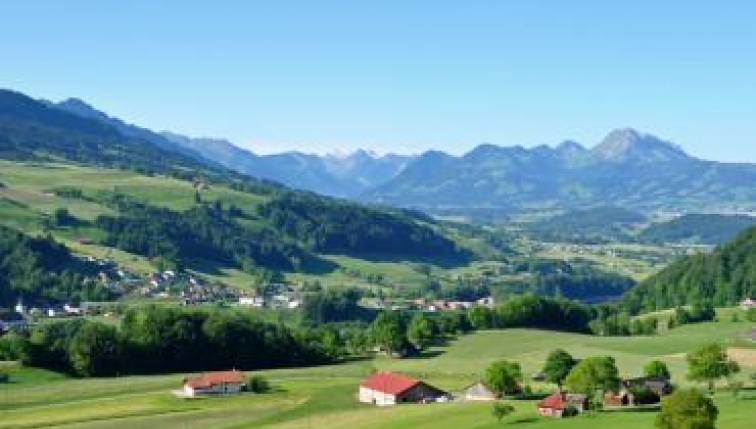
[154,340]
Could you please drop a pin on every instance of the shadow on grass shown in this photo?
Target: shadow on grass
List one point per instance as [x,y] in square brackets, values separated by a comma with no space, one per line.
[531,419]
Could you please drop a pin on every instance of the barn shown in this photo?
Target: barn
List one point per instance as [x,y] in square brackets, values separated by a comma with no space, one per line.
[214,383]
[388,388]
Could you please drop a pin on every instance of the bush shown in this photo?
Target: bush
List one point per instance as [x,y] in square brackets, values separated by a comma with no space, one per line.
[645,396]
[4,378]
[258,384]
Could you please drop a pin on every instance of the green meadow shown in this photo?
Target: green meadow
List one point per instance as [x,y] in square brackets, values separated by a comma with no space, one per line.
[325,397]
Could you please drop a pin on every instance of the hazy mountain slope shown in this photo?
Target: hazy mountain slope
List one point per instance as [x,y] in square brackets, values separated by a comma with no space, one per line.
[698,228]
[342,176]
[628,169]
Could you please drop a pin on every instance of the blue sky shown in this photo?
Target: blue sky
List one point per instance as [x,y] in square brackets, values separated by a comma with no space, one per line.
[399,75]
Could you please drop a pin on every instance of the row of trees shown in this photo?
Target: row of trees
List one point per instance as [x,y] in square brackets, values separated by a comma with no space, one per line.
[161,340]
[531,311]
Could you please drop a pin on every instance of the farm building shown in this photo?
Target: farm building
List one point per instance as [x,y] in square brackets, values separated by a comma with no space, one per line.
[388,388]
[214,383]
[480,392]
[658,386]
[556,404]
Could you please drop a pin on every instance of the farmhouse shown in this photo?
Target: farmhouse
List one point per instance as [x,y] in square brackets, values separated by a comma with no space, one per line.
[480,392]
[388,388]
[214,383]
[557,404]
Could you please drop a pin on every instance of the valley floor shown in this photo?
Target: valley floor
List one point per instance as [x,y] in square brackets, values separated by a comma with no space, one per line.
[325,397]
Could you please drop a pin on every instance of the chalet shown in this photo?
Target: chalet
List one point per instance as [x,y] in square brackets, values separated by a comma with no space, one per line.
[388,388]
[480,392]
[214,383]
[558,404]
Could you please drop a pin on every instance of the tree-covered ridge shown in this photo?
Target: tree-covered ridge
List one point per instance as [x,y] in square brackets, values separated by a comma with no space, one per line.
[201,233]
[723,277]
[335,226]
[698,228]
[42,269]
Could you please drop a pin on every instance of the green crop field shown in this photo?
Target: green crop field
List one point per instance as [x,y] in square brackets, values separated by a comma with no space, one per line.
[324,397]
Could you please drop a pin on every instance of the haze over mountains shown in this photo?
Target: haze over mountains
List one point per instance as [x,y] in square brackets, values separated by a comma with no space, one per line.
[628,168]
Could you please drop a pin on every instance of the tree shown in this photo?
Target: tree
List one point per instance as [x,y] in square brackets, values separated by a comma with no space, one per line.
[501,410]
[420,331]
[558,366]
[258,384]
[710,363]
[94,350]
[387,331]
[503,377]
[593,374]
[686,409]
[657,369]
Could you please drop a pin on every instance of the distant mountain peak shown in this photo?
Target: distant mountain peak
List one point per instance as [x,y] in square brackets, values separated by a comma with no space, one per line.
[627,143]
[570,146]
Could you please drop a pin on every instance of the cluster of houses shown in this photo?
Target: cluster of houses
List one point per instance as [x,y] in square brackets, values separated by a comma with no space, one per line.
[432,306]
[274,295]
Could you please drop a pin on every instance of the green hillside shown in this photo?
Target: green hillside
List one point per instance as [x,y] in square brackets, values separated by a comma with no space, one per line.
[724,277]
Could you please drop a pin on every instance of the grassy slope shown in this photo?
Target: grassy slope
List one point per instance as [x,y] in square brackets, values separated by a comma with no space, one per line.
[323,397]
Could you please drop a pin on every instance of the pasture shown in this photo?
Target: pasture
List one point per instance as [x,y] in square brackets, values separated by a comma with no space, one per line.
[324,397]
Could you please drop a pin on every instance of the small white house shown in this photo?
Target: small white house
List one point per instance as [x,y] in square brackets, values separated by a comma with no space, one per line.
[214,383]
[748,303]
[252,301]
[480,392]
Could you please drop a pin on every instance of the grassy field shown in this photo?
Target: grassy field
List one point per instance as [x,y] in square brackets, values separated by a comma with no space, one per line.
[324,397]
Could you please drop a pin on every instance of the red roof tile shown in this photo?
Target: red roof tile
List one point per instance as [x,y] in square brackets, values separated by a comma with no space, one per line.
[214,378]
[389,382]
[555,401]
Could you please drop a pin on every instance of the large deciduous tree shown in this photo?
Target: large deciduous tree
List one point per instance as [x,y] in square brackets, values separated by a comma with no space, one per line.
[558,366]
[503,377]
[710,363]
[687,409]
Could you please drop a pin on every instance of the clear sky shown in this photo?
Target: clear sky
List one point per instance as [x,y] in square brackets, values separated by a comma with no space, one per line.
[398,75]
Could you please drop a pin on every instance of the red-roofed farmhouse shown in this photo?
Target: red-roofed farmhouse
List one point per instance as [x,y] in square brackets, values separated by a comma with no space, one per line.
[222,382]
[388,388]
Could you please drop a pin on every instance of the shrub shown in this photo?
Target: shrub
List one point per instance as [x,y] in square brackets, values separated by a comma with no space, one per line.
[258,384]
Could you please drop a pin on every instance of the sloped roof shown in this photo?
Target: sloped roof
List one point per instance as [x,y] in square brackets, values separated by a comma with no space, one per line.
[556,401]
[389,382]
[214,378]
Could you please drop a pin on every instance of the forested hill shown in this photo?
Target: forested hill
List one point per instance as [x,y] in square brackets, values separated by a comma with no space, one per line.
[723,277]
[41,269]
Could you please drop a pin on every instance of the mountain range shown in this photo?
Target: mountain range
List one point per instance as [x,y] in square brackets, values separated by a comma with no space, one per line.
[628,169]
